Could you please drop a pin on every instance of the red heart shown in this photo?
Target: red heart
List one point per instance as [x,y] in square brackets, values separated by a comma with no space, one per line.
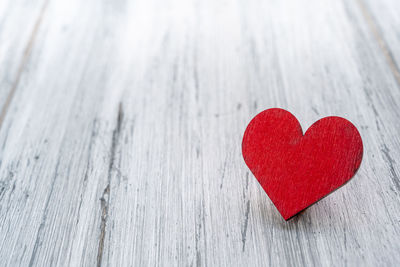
[296,170]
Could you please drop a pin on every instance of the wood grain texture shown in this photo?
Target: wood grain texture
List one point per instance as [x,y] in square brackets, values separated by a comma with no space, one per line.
[121,142]
[19,23]
[383,20]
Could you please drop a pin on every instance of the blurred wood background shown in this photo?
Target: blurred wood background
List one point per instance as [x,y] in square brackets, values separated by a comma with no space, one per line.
[121,126]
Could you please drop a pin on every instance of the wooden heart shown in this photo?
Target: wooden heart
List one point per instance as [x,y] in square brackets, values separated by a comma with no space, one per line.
[296,170]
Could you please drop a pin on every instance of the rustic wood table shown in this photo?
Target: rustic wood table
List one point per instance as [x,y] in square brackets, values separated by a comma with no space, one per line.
[121,126]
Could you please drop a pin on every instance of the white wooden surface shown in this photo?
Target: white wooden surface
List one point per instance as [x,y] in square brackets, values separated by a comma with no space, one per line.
[121,126]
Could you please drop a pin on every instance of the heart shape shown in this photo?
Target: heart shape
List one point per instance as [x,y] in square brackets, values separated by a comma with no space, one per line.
[297,170]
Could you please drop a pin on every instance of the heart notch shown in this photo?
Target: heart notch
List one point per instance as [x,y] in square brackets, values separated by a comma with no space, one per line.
[297,170]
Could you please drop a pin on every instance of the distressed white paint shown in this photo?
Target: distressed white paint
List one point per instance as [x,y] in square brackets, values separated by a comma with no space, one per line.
[121,143]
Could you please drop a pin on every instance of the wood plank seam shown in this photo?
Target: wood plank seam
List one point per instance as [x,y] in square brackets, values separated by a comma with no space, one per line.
[373,26]
[24,60]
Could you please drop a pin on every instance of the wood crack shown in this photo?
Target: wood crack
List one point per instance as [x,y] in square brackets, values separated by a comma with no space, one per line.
[246,223]
[88,165]
[385,150]
[105,199]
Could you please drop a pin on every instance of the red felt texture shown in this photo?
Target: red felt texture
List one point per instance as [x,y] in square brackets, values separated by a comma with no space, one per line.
[296,170]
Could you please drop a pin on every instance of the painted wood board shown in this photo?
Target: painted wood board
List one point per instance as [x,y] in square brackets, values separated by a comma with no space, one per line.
[19,23]
[123,144]
[384,22]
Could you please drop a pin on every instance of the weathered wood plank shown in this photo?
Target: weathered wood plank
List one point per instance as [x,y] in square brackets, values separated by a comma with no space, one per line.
[19,22]
[384,22]
[57,134]
[122,143]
